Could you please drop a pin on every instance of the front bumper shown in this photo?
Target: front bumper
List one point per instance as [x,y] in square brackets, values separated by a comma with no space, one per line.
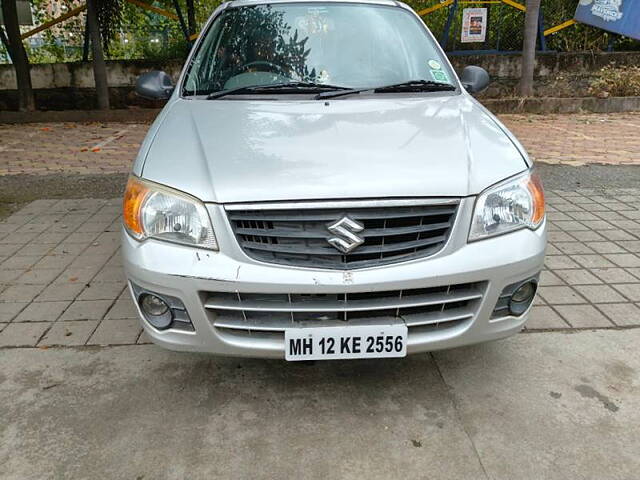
[189,274]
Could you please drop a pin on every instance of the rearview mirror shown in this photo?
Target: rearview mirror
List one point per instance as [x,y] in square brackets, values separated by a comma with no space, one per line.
[154,85]
[474,79]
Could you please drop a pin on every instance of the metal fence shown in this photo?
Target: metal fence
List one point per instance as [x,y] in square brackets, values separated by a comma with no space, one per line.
[502,22]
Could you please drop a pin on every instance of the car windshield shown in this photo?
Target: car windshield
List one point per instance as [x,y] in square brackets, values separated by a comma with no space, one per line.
[321,44]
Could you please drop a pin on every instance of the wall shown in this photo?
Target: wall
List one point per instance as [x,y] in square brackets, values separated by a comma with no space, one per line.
[70,85]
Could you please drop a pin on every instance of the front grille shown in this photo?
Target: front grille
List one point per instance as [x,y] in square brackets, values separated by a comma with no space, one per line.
[439,307]
[300,236]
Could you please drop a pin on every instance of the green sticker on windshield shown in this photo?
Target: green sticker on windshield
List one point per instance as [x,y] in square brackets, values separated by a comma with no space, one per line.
[439,76]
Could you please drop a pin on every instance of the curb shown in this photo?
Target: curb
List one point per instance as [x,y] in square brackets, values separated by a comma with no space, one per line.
[562,105]
[133,115]
[496,105]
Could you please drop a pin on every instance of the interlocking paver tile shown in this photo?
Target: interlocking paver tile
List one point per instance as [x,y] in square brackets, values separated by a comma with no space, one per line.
[8,276]
[624,314]
[102,291]
[67,248]
[560,261]
[552,250]
[574,247]
[78,274]
[614,275]
[624,259]
[86,310]
[630,245]
[631,291]
[577,277]
[60,291]
[20,293]
[123,308]
[543,317]
[548,278]
[571,226]
[42,312]
[590,236]
[560,295]
[55,261]
[617,235]
[35,249]
[82,237]
[22,334]
[583,316]
[144,339]
[605,247]
[8,249]
[116,332]
[599,293]
[69,333]
[9,310]
[592,261]
[560,237]
[110,274]
[37,277]
[585,215]
[48,237]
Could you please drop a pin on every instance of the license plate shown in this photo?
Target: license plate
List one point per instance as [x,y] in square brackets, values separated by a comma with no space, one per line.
[333,343]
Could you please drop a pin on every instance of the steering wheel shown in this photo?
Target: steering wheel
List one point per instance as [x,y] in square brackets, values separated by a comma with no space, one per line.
[273,66]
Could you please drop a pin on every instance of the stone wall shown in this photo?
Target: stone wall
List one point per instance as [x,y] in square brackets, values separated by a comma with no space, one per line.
[70,85]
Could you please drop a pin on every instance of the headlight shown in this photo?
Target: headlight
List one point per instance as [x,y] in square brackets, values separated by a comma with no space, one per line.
[511,205]
[155,211]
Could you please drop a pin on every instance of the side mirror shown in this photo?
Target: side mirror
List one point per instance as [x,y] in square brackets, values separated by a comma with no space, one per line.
[475,79]
[154,85]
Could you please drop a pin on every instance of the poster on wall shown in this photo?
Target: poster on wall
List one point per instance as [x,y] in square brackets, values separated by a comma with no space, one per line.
[618,16]
[474,25]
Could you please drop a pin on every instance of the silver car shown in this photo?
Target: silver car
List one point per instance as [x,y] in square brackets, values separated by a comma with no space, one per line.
[322,185]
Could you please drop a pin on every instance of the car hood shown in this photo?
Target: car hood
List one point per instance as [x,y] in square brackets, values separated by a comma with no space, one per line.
[377,147]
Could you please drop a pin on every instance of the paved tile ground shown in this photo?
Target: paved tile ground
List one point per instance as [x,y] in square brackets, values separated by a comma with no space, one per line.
[61,280]
[80,148]
[110,148]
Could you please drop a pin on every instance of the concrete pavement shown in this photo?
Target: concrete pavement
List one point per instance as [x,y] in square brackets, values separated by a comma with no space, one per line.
[538,405]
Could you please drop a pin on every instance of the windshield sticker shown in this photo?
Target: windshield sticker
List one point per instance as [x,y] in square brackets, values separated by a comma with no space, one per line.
[439,76]
[435,64]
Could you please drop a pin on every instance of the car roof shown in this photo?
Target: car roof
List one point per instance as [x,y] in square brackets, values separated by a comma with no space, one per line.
[238,3]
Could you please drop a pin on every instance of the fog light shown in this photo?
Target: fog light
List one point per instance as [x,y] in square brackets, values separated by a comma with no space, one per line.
[153,305]
[522,298]
[155,310]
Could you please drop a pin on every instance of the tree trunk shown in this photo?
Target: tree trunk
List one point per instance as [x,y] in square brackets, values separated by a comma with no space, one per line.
[191,17]
[99,66]
[18,55]
[529,47]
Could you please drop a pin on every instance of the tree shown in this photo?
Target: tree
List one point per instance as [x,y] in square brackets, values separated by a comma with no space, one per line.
[103,20]
[13,43]
[191,17]
[529,47]
[99,65]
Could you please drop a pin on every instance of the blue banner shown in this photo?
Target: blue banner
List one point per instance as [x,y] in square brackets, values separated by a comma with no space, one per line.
[618,16]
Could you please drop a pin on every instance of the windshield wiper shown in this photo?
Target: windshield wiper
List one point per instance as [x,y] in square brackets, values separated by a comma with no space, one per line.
[410,86]
[416,86]
[290,87]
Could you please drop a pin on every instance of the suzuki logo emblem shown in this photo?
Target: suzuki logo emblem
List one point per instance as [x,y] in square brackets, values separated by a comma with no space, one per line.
[345,231]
